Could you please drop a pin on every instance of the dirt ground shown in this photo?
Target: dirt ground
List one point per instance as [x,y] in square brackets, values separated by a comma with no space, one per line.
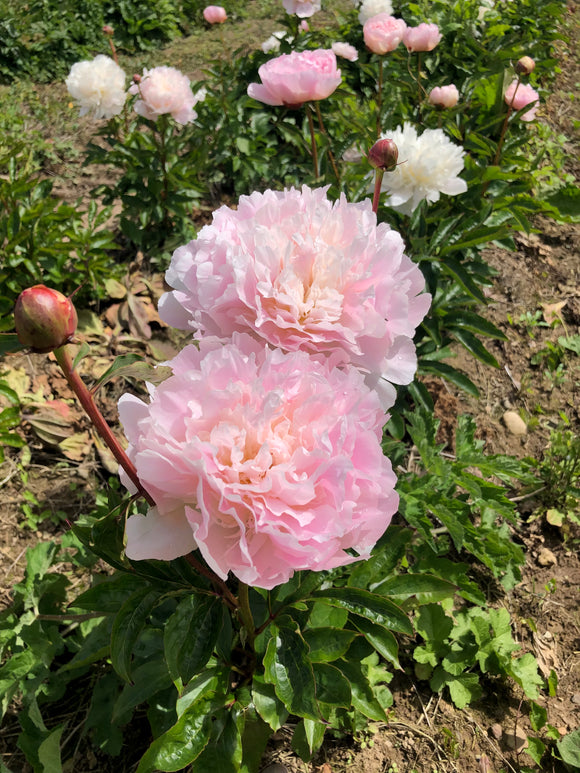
[536,286]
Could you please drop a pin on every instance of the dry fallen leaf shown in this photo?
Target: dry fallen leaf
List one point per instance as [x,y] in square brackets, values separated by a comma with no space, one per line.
[551,311]
[77,446]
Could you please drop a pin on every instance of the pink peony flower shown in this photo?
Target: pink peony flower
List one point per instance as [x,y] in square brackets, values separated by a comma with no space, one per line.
[346,51]
[422,38]
[268,462]
[302,8]
[304,26]
[444,96]
[292,79]
[383,33]
[303,273]
[214,14]
[164,90]
[520,96]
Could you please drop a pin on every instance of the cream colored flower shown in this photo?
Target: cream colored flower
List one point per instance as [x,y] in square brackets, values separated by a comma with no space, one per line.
[369,8]
[429,165]
[98,86]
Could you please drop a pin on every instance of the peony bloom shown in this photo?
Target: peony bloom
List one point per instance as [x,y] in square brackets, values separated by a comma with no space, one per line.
[164,90]
[303,273]
[214,14]
[292,79]
[383,33]
[345,50]
[268,462]
[520,96]
[422,38]
[444,96]
[98,87]
[429,166]
[273,42]
[301,8]
[369,8]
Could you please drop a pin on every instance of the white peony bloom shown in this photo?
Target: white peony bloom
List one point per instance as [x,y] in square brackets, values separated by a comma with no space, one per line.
[428,166]
[273,42]
[370,8]
[98,86]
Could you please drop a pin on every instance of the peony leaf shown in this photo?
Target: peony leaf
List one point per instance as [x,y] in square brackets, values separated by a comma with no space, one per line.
[449,373]
[127,627]
[327,644]
[288,668]
[468,320]
[382,640]
[369,605]
[267,703]
[426,587]
[475,347]
[223,753]
[182,743]
[148,679]
[362,694]
[191,634]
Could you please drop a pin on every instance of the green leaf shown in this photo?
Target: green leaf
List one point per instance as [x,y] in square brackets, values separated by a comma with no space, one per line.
[49,752]
[327,644]
[191,633]
[255,737]
[375,608]
[128,624]
[433,624]
[473,322]
[566,200]
[332,688]
[307,738]
[288,667]
[325,616]
[461,275]
[384,560]
[362,694]
[569,748]
[84,349]
[463,689]
[267,703]
[223,753]
[449,373]
[535,749]
[382,640]
[525,671]
[475,347]
[425,587]
[148,679]
[182,743]
[109,595]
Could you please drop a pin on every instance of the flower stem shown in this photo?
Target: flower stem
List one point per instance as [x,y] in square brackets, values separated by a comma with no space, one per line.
[330,153]
[312,139]
[379,96]
[113,50]
[223,589]
[86,400]
[245,612]
[505,123]
[378,180]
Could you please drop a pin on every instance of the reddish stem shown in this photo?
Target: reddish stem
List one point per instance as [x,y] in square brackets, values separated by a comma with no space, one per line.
[378,180]
[312,140]
[80,389]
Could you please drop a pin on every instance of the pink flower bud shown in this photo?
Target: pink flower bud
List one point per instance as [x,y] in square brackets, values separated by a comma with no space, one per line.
[215,14]
[108,30]
[422,38]
[383,155]
[383,33]
[519,95]
[525,65]
[304,26]
[44,318]
[136,78]
[444,96]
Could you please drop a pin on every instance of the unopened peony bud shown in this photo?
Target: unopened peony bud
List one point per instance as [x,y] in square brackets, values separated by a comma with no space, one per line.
[44,318]
[525,65]
[383,155]
[136,78]
[108,30]
[214,14]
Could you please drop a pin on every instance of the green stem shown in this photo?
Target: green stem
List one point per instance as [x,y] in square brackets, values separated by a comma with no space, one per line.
[378,180]
[330,153]
[379,96]
[86,400]
[312,140]
[502,135]
[245,612]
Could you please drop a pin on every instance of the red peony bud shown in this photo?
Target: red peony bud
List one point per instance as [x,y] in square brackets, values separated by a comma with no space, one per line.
[525,65]
[108,30]
[44,319]
[383,155]
[137,78]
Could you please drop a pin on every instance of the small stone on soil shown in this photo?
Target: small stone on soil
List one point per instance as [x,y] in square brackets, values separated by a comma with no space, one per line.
[514,423]
[546,558]
[517,740]
[496,731]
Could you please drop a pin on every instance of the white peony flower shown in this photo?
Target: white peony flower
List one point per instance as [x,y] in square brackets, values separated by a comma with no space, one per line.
[273,42]
[370,8]
[428,166]
[98,87]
